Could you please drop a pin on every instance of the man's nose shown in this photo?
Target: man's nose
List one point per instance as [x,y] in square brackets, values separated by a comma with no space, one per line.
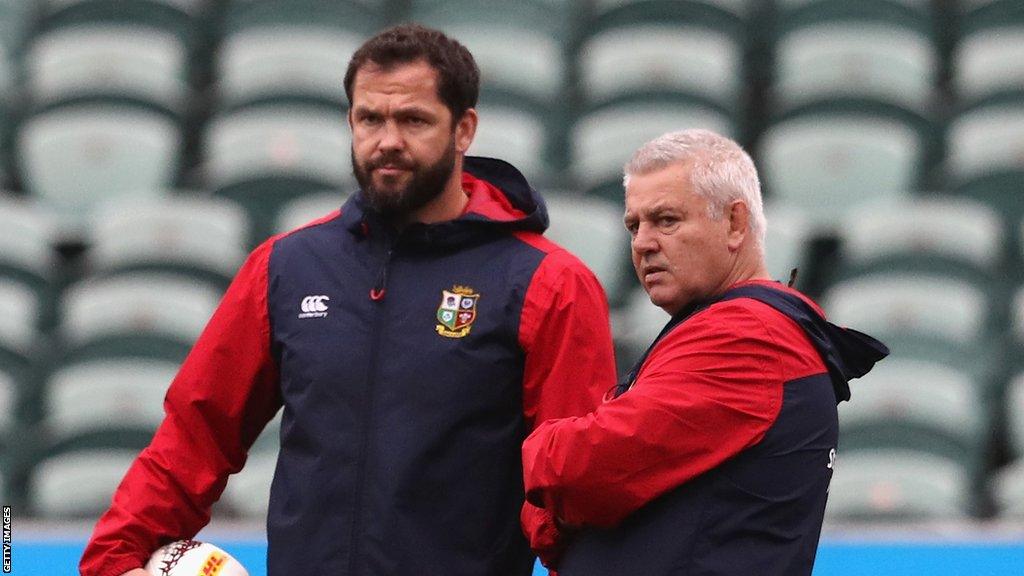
[644,242]
[391,137]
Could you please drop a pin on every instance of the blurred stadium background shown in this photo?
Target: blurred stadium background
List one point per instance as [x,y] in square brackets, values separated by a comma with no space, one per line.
[146,145]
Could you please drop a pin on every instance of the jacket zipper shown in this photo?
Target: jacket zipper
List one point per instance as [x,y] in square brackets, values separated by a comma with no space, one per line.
[377,295]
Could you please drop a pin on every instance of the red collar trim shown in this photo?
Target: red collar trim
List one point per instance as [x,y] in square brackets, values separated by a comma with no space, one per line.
[487,201]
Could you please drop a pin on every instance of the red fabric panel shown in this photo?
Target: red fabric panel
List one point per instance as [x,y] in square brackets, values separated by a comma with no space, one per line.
[220,400]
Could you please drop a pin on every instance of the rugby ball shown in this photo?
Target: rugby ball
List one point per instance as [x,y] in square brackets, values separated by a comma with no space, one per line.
[193,558]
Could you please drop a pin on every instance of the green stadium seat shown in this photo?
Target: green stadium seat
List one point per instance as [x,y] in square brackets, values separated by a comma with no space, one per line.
[365,16]
[787,241]
[84,398]
[875,60]
[663,56]
[591,228]
[79,483]
[604,138]
[531,30]
[635,326]
[19,317]
[904,397]
[74,156]
[1007,489]
[264,156]
[119,60]
[901,236]
[26,252]
[198,236]
[826,163]
[275,61]
[116,316]
[897,485]
[894,302]
[919,315]
[180,17]
[516,136]
[305,209]
[987,61]
[1014,404]
[986,153]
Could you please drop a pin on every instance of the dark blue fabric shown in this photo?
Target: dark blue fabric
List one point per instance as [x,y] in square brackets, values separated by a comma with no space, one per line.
[400,447]
[761,511]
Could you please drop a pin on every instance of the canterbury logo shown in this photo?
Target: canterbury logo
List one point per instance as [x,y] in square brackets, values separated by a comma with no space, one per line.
[314,307]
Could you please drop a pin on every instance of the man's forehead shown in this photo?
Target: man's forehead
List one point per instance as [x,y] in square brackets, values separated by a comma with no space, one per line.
[414,77]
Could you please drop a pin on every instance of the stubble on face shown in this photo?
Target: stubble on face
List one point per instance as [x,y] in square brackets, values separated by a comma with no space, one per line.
[388,197]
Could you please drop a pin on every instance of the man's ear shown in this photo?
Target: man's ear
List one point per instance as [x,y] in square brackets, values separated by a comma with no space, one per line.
[465,130]
[739,221]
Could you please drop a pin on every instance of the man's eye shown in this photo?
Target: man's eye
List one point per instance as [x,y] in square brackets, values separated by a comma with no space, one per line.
[666,221]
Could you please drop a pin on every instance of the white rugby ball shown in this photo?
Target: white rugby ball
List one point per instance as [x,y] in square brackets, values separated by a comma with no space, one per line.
[193,558]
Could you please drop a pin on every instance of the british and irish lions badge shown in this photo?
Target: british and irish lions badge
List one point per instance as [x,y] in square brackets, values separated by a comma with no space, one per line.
[456,312]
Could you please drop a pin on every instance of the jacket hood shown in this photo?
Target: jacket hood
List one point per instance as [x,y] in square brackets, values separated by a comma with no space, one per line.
[500,200]
[847,353]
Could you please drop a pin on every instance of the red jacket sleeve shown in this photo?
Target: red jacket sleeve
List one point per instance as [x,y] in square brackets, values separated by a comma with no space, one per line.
[570,362]
[222,397]
[709,389]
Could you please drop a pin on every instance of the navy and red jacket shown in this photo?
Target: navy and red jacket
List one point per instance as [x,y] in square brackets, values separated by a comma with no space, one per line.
[715,457]
[410,367]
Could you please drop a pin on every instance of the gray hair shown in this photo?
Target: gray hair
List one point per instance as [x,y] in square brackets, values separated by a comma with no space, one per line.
[721,171]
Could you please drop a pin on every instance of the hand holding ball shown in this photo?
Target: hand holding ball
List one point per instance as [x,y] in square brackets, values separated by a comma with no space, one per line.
[193,558]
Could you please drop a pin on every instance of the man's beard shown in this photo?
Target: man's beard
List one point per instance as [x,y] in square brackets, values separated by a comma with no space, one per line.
[426,183]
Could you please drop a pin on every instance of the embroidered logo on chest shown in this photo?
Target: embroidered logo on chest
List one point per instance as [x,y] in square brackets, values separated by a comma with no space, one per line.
[456,312]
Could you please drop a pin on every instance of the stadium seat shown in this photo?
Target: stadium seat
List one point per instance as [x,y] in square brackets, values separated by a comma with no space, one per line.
[26,253]
[736,8]
[119,60]
[264,156]
[663,56]
[603,139]
[198,236]
[8,409]
[105,394]
[516,136]
[1007,489]
[365,16]
[305,209]
[927,316]
[841,59]
[902,236]
[897,484]
[19,317]
[986,62]
[634,327]
[986,153]
[79,483]
[787,240]
[531,30]
[74,156]
[591,228]
[141,314]
[1015,407]
[274,61]
[827,163]
[180,17]
[919,404]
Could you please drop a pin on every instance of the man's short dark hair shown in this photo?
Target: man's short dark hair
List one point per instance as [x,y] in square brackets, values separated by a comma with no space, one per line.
[458,78]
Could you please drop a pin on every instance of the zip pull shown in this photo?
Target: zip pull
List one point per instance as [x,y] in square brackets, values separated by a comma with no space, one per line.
[380,287]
